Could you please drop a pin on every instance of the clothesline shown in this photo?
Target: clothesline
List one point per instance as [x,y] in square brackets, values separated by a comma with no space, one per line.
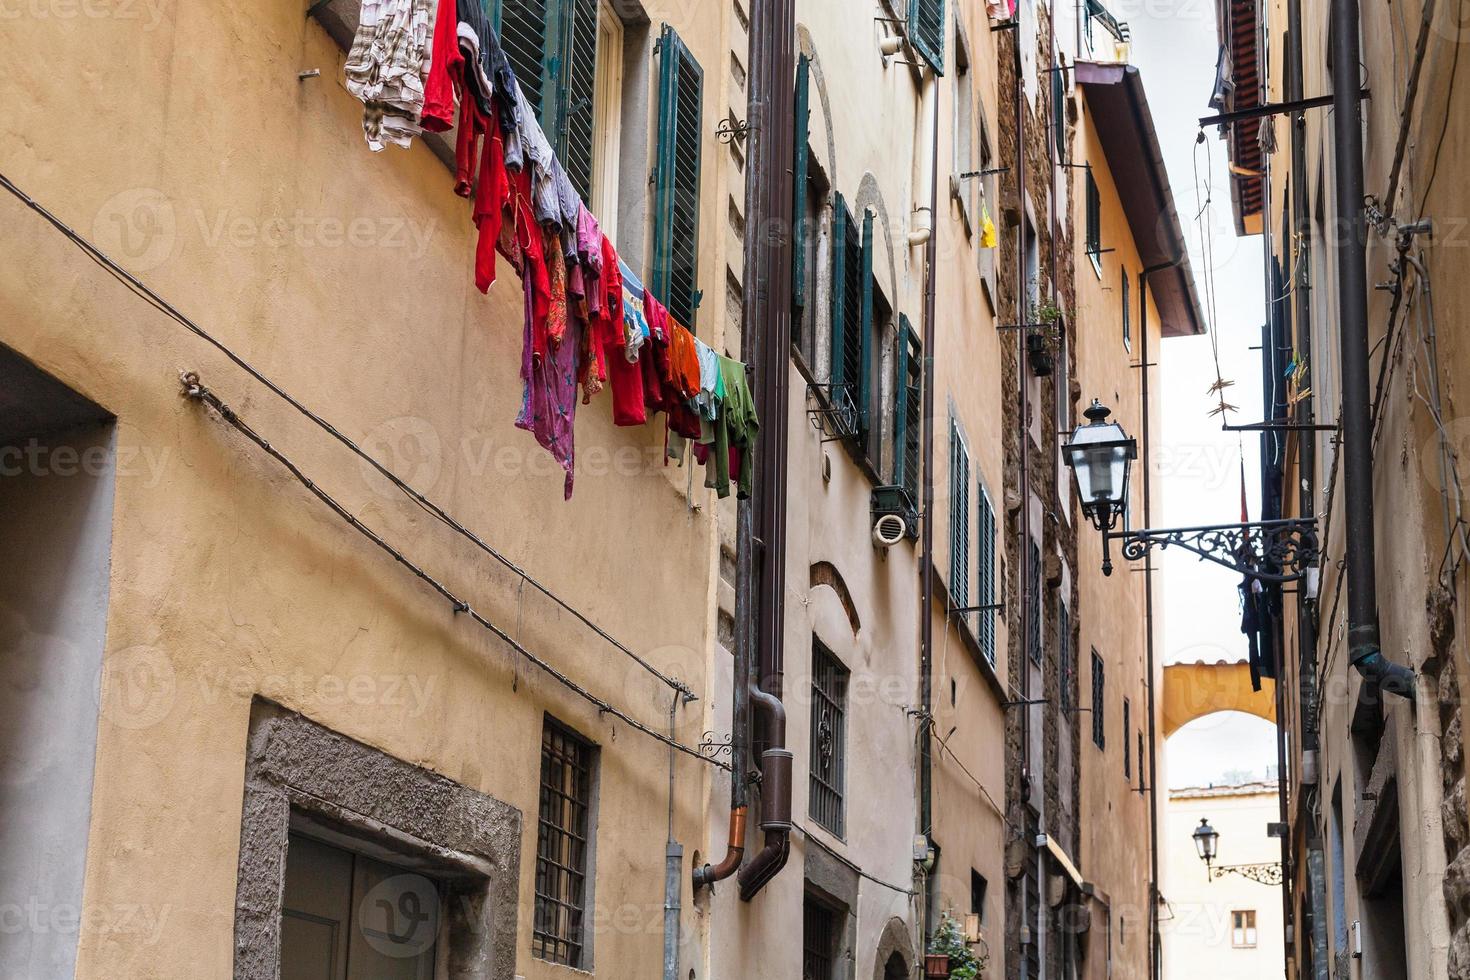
[589,323]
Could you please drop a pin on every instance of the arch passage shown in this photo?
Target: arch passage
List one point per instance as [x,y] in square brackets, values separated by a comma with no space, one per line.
[1195,690]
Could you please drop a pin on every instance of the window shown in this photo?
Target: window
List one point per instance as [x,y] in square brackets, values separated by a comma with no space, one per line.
[828,739]
[926,31]
[852,316]
[1066,658]
[1141,786]
[801,225]
[959,518]
[552,46]
[1059,110]
[344,909]
[1099,734]
[1243,929]
[819,935]
[908,420]
[562,846]
[987,576]
[978,887]
[1033,603]
[965,189]
[1127,312]
[1093,241]
[676,178]
[1127,756]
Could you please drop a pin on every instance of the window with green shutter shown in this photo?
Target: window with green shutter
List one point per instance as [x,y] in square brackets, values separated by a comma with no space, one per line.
[852,318]
[675,278]
[908,418]
[1033,604]
[552,48]
[926,31]
[1093,239]
[1059,112]
[959,518]
[799,185]
[987,576]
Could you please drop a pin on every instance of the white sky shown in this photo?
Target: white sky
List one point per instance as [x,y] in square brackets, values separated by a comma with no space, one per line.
[1174,47]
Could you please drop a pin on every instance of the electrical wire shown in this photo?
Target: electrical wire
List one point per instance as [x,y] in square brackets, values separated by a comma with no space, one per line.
[1449,101]
[140,289]
[195,389]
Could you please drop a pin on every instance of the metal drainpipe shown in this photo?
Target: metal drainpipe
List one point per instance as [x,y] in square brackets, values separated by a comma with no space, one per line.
[673,866]
[926,531]
[1023,559]
[1350,243]
[767,314]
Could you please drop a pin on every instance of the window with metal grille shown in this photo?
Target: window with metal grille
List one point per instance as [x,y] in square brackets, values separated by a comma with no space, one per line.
[562,846]
[926,31]
[680,144]
[908,420]
[987,576]
[959,518]
[1093,240]
[1099,734]
[801,173]
[852,317]
[1033,603]
[1066,657]
[1127,730]
[828,739]
[552,48]
[1127,311]
[819,937]
[1141,786]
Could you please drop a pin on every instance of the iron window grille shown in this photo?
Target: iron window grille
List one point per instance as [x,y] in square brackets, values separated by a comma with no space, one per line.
[1099,733]
[1033,604]
[1127,725]
[1067,657]
[818,940]
[828,739]
[562,846]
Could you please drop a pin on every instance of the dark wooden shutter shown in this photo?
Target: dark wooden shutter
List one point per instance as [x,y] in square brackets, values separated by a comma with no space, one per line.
[959,518]
[577,105]
[1033,604]
[987,576]
[676,228]
[840,221]
[1094,222]
[1059,113]
[907,409]
[866,329]
[926,31]
[799,169]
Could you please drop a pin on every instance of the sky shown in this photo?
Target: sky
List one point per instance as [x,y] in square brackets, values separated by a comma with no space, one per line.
[1174,48]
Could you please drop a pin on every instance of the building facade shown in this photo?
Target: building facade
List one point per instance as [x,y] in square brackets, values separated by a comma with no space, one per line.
[312,670]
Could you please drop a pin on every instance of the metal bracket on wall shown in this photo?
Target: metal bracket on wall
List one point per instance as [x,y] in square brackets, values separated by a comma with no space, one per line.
[1254,549]
[728,133]
[1270,109]
[834,415]
[1265,874]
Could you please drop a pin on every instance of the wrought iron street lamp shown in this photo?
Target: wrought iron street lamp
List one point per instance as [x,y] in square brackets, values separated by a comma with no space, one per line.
[1207,843]
[1100,455]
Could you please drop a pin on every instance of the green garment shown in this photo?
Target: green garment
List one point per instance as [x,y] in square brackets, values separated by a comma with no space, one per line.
[736,425]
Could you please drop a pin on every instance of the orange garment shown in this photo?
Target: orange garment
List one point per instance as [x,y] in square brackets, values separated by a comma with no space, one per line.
[683,359]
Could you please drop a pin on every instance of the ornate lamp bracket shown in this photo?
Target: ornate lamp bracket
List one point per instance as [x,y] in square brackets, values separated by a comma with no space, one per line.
[1265,874]
[1272,551]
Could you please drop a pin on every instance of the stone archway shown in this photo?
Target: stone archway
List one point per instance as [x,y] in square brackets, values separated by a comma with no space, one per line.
[895,952]
[1192,691]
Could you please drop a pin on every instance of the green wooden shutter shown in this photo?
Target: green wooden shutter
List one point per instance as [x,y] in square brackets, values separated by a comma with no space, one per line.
[675,278]
[926,31]
[900,403]
[959,519]
[1059,113]
[987,576]
[799,169]
[577,106]
[839,295]
[907,409]
[866,340]
[527,33]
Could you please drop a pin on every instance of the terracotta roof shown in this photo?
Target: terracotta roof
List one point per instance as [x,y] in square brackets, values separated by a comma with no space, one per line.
[1239,37]
[1237,789]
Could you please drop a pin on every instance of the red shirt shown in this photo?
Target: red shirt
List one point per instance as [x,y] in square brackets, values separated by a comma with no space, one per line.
[446,62]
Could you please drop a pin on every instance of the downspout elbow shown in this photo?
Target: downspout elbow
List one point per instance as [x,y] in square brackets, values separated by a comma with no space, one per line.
[775,713]
[775,812]
[1377,669]
[734,853]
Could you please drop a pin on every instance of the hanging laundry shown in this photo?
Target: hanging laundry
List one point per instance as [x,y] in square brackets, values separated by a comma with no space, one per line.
[549,370]
[390,56]
[987,228]
[727,444]
[711,382]
[446,67]
[635,323]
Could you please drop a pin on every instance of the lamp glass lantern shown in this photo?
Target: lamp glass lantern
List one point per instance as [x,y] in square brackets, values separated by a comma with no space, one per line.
[1101,457]
[1206,841]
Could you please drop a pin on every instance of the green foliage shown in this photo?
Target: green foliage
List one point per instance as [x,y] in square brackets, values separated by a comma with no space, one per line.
[949,940]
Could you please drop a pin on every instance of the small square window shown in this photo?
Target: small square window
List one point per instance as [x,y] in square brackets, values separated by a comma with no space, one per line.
[1243,929]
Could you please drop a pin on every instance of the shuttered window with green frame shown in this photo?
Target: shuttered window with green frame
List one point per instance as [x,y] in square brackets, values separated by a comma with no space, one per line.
[908,419]
[552,48]
[926,26]
[1093,240]
[800,172]
[959,518]
[1059,112]
[675,279]
[852,315]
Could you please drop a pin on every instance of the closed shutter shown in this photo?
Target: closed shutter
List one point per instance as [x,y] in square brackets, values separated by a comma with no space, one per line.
[907,409]
[676,228]
[1099,732]
[577,106]
[959,519]
[799,169]
[1094,222]
[526,28]
[987,576]
[840,221]
[1033,604]
[926,31]
[1059,113]
[866,340]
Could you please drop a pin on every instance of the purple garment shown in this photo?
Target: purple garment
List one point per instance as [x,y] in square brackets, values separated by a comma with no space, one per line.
[587,271]
[549,400]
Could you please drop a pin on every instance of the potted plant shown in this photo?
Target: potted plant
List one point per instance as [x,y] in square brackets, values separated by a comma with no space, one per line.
[1041,339]
[949,957]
